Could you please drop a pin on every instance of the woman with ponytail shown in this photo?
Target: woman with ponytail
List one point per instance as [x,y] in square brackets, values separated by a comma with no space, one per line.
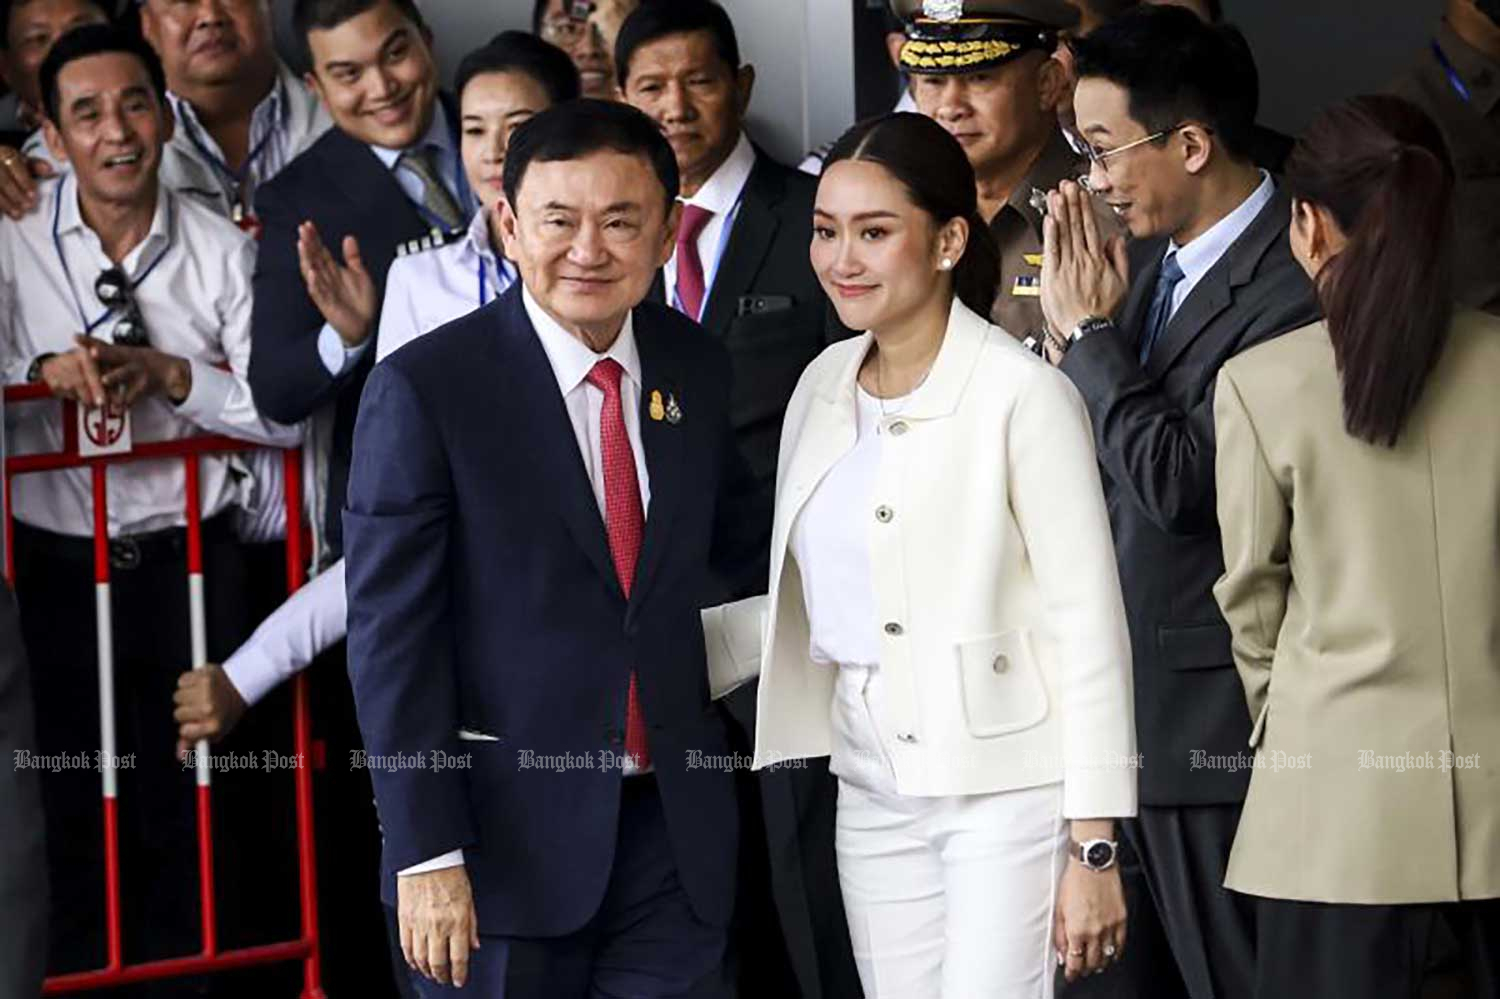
[1359,503]
[945,619]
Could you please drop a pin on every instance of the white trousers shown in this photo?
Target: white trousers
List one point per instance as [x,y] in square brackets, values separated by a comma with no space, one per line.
[946,898]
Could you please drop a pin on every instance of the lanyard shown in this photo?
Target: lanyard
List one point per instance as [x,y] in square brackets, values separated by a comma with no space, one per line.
[237,178]
[62,258]
[1454,79]
[505,280]
[709,281]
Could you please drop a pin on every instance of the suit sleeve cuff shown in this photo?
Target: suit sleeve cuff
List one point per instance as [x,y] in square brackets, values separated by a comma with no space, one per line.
[336,357]
[453,858]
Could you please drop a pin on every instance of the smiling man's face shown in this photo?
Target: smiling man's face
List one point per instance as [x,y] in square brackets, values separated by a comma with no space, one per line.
[376,76]
[110,127]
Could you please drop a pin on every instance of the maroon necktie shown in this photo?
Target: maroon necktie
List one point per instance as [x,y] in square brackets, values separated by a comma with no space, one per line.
[624,521]
[689,264]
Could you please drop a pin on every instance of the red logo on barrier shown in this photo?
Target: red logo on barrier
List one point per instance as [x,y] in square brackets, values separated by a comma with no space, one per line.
[103,427]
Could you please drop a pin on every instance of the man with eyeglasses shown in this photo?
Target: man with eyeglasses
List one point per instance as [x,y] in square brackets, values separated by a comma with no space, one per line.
[1167,104]
[586,31]
[133,302]
[984,70]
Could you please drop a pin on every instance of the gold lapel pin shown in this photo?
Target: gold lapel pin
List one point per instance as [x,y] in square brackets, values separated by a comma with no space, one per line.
[658,411]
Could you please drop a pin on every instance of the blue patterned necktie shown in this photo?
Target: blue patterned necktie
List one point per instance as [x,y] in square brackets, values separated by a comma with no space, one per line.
[1161,305]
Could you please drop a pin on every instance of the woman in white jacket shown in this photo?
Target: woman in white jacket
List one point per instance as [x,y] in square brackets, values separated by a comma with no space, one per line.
[944,615]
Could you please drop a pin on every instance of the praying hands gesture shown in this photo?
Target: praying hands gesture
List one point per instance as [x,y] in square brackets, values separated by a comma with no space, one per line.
[1083,274]
[345,293]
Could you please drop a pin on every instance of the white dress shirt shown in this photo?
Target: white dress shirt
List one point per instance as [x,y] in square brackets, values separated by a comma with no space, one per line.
[571,362]
[1198,257]
[720,194]
[194,269]
[443,138]
[269,150]
[425,290]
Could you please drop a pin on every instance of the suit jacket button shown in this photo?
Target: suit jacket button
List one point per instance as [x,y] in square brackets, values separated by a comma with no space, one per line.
[906,737]
[884,514]
[893,629]
[897,428]
[1001,664]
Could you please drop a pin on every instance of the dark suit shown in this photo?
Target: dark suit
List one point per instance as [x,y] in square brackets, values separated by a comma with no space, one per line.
[343,187]
[23,860]
[767,307]
[482,596]
[1154,432]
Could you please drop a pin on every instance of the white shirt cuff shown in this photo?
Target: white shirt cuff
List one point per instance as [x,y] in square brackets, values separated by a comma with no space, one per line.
[453,858]
[253,672]
[336,357]
[208,395]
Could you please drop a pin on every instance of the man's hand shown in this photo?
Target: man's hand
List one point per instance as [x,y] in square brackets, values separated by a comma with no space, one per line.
[344,293]
[208,706]
[1083,275]
[18,177]
[75,374]
[130,373]
[438,926]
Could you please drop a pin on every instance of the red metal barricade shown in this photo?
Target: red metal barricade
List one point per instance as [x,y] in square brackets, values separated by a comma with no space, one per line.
[210,959]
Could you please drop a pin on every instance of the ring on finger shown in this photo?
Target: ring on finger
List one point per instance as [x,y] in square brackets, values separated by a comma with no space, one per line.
[1076,953]
[1109,950]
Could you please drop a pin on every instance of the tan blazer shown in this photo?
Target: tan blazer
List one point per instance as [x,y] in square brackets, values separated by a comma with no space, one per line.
[1363,593]
[1003,636]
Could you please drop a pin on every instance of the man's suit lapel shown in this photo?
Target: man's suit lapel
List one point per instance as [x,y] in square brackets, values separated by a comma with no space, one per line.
[749,242]
[1215,292]
[555,445]
[662,442]
[372,190]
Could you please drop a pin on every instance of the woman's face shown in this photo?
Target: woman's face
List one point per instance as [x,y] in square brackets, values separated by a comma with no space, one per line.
[492,106]
[877,255]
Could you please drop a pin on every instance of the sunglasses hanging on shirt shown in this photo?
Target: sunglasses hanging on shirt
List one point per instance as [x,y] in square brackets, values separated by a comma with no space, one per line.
[115,292]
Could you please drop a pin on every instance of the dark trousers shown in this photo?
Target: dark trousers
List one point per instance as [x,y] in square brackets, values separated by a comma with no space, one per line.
[157,828]
[1370,951]
[645,942]
[1184,852]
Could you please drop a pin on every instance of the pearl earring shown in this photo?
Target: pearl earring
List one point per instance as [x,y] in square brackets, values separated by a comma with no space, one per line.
[946,265]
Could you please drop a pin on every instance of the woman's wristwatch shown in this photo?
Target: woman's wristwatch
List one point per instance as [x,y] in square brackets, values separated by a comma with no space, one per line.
[1095,854]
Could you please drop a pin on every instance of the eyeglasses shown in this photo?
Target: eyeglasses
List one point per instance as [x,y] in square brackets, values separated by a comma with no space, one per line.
[117,293]
[567,31]
[1099,158]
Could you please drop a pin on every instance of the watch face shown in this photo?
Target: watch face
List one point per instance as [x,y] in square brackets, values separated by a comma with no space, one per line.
[1099,854]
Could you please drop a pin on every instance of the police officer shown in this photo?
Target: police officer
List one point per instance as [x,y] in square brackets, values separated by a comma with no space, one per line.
[984,70]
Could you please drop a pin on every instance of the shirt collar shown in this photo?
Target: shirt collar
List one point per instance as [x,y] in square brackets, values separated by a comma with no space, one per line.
[1479,74]
[269,113]
[721,192]
[570,357]
[1198,257]
[477,238]
[70,215]
[438,134]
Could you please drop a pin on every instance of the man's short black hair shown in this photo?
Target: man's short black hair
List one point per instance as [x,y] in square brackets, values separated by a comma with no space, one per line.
[1176,69]
[575,129]
[6,6]
[91,40]
[321,15]
[518,52]
[657,19]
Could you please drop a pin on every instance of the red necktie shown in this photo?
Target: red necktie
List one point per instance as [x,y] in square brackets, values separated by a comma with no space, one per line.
[624,521]
[689,264]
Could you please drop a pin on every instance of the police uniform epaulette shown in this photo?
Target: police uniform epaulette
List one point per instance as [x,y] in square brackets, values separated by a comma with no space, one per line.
[435,238]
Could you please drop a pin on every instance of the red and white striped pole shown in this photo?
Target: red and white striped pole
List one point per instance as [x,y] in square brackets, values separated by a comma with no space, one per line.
[104,625]
[198,625]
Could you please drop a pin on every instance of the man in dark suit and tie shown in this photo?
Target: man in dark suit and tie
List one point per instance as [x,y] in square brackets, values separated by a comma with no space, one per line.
[388,172]
[542,494]
[1167,105]
[740,267]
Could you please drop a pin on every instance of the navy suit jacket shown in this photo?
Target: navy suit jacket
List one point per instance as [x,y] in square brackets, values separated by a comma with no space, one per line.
[482,596]
[342,186]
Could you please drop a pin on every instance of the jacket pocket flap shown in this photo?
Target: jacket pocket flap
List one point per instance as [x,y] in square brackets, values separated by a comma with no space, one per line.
[1195,646]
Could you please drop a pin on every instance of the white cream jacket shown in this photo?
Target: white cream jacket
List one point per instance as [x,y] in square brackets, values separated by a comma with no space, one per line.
[1003,639]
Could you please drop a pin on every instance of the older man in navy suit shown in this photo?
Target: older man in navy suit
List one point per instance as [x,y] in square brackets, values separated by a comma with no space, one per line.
[542,495]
